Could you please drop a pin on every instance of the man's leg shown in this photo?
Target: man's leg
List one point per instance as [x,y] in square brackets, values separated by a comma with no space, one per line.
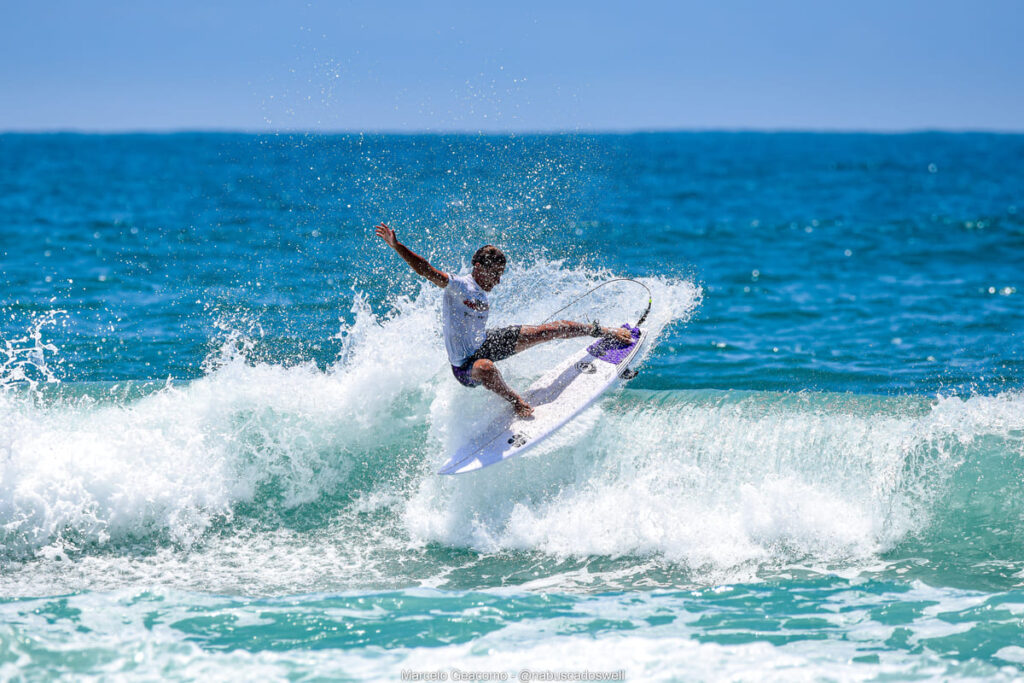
[485,372]
[531,335]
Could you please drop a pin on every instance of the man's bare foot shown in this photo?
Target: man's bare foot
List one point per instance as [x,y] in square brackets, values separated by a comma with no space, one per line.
[523,409]
[619,334]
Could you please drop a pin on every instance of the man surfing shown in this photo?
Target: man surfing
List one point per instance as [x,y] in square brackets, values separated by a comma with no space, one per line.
[472,348]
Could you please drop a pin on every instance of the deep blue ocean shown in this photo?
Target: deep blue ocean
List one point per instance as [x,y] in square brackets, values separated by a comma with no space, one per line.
[224,402]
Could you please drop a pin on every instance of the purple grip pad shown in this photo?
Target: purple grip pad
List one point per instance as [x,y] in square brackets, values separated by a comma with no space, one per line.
[611,351]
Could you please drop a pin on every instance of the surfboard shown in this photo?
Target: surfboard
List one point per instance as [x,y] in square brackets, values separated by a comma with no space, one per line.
[557,397]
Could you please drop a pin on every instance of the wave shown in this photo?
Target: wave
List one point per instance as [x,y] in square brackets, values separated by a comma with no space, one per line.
[719,480]
[88,465]
[705,479]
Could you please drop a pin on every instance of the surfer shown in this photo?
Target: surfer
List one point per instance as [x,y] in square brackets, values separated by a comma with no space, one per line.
[472,348]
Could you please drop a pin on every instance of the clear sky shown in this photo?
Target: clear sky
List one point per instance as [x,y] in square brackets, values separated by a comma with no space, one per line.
[119,65]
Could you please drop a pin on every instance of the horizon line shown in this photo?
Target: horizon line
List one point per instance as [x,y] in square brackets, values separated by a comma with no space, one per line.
[510,132]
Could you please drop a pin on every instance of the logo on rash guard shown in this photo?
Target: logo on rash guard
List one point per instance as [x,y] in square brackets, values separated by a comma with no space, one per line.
[476,304]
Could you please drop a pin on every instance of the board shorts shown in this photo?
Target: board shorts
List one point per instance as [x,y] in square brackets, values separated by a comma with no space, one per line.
[499,344]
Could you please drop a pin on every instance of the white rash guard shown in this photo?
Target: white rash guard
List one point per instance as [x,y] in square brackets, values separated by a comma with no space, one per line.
[465,311]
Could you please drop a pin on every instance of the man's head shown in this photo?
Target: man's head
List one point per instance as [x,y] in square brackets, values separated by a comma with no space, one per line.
[488,266]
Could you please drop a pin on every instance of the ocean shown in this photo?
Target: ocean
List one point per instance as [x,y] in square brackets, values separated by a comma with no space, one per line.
[224,402]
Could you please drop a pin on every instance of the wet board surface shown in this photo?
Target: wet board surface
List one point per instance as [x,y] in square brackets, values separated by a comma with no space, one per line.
[557,397]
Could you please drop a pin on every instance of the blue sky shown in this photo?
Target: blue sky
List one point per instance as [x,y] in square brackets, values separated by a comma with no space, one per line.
[525,65]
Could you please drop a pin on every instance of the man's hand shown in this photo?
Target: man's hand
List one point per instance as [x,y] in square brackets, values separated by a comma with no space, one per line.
[388,235]
[419,264]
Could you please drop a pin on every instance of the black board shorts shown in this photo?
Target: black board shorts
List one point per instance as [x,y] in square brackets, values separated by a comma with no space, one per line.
[499,344]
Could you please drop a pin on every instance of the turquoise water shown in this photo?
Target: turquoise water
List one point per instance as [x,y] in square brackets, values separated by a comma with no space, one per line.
[224,403]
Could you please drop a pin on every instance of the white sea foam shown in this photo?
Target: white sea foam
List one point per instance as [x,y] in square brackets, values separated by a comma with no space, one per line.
[721,483]
[725,482]
[87,470]
[156,634]
[26,359]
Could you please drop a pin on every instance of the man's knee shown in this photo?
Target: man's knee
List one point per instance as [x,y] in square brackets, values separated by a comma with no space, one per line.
[483,368]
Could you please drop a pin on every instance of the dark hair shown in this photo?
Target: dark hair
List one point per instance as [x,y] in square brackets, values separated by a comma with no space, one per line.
[489,256]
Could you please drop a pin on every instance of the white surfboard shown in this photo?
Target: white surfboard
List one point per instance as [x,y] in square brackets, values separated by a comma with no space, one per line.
[557,397]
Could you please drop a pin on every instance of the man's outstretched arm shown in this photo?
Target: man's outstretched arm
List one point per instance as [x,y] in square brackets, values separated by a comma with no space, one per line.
[415,261]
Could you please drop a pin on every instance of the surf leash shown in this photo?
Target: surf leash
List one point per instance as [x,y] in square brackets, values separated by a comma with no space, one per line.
[650,299]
